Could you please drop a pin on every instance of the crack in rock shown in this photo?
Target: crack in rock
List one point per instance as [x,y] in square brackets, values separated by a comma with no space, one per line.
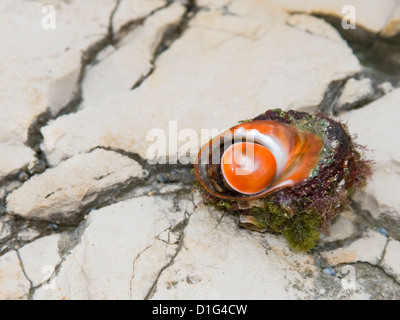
[31,288]
[169,36]
[131,55]
[180,228]
[134,263]
[35,138]
[74,186]
[154,256]
[124,233]
[175,70]
[377,52]
[68,83]
[390,259]
[346,257]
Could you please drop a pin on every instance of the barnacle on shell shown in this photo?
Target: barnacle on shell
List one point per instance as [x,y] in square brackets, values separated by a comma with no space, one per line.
[284,172]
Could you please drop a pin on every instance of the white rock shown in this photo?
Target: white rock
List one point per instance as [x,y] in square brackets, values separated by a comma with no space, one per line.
[121,69]
[341,228]
[171,188]
[131,247]
[391,259]
[355,90]
[226,48]
[369,248]
[28,234]
[57,194]
[5,230]
[13,283]
[392,28]
[379,196]
[314,25]
[101,55]
[48,61]
[148,265]
[40,258]
[13,158]
[109,256]
[386,87]
[372,15]
[377,128]
[40,67]
[213,4]
[130,11]
[218,260]
[11,186]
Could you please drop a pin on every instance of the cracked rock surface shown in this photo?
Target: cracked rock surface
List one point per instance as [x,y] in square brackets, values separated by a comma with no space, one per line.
[60,192]
[86,213]
[41,69]
[110,254]
[241,51]
[375,15]
[373,130]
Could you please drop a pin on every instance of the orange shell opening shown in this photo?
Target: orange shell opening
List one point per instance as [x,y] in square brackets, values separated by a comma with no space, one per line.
[248,168]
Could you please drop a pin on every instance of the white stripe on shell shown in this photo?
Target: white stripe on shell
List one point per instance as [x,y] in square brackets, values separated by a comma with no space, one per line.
[271,143]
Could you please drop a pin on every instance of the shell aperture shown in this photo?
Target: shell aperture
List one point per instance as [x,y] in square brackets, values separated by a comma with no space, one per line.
[248,168]
[295,151]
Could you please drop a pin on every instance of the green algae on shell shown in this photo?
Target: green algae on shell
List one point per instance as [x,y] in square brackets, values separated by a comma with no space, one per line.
[298,210]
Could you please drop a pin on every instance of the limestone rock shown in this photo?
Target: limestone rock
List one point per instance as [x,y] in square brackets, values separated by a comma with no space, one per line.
[40,67]
[314,25]
[147,265]
[5,230]
[391,259]
[13,283]
[386,87]
[372,15]
[130,11]
[132,60]
[392,28]
[110,255]
[219,260]
[354,92]
[341,228]
[40,258]
[57,194]
[48,59]
[28,234]
[147,247]
[13,158]
[369,248]
[376,126]
[226,48]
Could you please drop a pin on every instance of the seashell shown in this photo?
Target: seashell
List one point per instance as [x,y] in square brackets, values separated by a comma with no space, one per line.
[285,172]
